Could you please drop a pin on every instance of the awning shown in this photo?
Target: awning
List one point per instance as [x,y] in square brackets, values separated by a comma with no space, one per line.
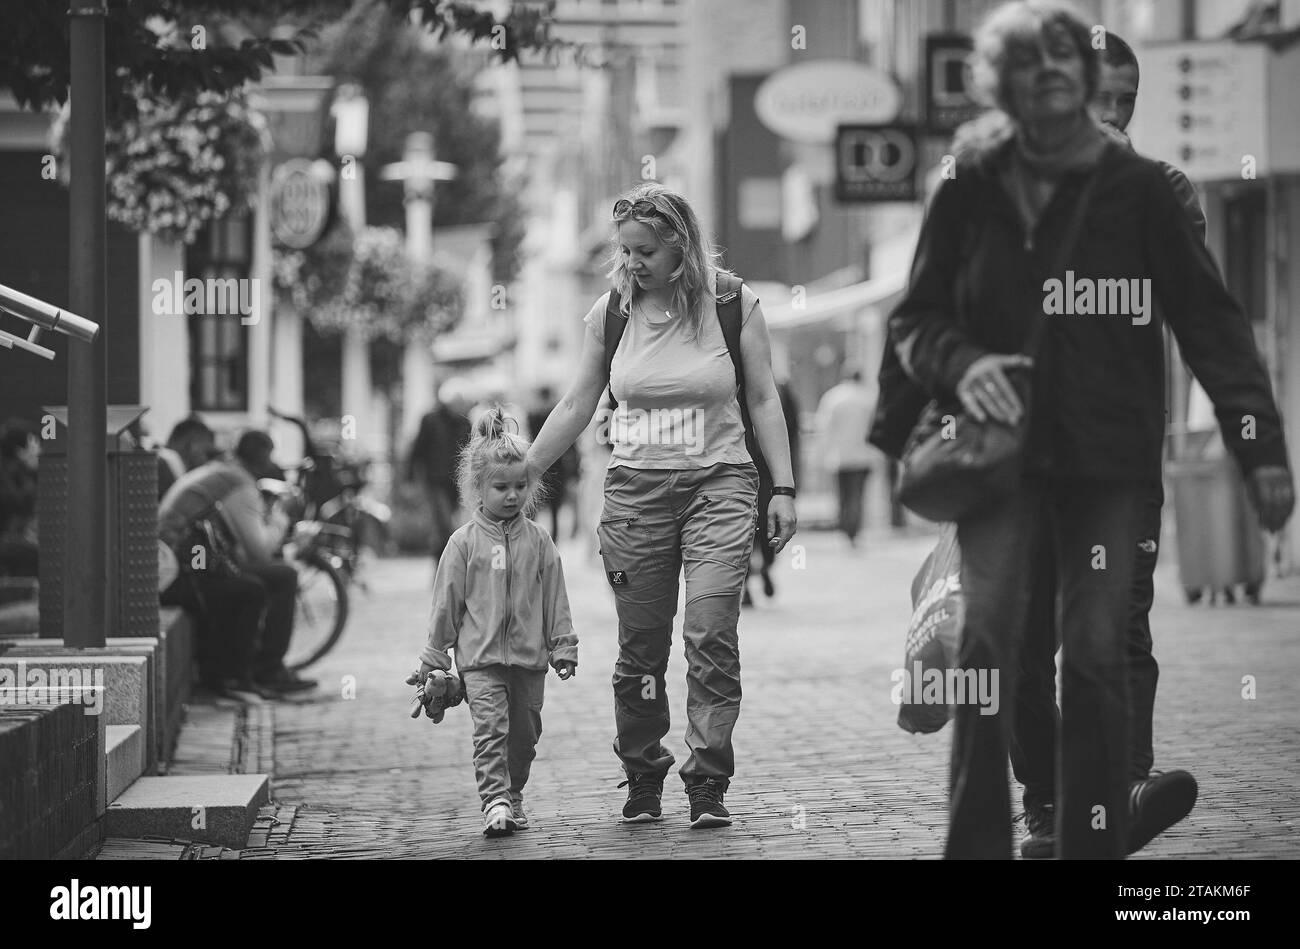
[877,294]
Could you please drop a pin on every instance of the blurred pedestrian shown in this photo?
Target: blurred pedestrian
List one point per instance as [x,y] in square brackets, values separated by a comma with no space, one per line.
[444,433]
[843,421]
[561,478]
[1166,797]
[190,444]
[505,621]
[681,489]
[978,298]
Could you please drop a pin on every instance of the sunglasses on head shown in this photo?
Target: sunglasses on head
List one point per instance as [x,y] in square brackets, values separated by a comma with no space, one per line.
[623,207]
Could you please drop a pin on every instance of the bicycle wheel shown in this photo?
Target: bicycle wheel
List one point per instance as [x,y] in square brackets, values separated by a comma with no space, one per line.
[320,612]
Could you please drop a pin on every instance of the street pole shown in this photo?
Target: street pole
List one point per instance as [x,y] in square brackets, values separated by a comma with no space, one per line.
[419,170]
[85,605]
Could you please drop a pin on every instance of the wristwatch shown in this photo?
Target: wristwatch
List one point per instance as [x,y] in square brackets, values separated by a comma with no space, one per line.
[788,492]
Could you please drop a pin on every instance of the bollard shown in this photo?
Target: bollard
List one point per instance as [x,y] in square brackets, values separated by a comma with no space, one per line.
[132,571]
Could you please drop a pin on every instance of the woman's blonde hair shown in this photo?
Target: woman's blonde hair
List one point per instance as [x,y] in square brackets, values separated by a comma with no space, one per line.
[1021,22]
[674,222]
[493,446]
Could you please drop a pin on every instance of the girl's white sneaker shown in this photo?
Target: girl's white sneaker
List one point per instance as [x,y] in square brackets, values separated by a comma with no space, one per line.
[499,821]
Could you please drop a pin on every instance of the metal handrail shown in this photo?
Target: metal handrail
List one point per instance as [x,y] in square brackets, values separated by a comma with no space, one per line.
[42,316]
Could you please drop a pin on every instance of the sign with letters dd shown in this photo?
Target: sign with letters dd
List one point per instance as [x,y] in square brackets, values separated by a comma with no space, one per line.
[947,102]
[875,163]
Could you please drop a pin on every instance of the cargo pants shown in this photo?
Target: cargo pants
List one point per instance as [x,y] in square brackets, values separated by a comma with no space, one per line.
[505,703]
[655,526]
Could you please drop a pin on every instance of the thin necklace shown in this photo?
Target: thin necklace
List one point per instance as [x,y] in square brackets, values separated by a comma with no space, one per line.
[667,313]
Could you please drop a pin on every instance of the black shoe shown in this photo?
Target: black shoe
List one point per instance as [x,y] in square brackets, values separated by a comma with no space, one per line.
[286,682]
[1158,803]
[706,802]
[1041,842]
[245,690]
[769,590]
[644,797]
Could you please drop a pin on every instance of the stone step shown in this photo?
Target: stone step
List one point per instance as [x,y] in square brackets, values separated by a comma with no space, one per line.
[115,686]
[122,757]
[217,809]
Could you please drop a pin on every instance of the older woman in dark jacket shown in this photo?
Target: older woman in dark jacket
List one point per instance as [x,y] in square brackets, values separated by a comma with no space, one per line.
[979,286]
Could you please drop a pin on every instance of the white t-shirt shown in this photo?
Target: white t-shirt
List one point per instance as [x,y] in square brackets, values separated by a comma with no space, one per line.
[677,396]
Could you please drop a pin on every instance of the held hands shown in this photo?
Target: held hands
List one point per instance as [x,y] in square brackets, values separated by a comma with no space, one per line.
[986,392]
[1273,494]
[781,521]
[566,668]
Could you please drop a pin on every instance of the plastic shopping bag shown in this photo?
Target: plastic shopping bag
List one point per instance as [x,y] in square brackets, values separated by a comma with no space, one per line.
[933,636]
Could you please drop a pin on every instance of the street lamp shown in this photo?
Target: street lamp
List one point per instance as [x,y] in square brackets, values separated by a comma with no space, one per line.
[351,112]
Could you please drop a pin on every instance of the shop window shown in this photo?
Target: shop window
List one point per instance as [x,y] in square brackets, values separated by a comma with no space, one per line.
[219,340]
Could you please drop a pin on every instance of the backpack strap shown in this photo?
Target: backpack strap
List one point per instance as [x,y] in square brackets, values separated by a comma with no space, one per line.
[615,323]
[730,316]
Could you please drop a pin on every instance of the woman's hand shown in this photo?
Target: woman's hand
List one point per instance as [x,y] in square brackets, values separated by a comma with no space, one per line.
[986,392]
[566,668]
[781,521]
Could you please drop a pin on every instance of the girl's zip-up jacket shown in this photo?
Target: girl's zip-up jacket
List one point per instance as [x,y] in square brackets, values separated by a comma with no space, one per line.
[499,599]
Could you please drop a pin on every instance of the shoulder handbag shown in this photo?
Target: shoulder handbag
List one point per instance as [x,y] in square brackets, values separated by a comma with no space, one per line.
[953,466]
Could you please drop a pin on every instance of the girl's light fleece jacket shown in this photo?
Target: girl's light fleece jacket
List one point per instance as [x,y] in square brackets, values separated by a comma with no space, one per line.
[499,599]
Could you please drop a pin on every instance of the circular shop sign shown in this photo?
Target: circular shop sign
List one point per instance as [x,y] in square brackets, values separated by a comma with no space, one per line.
[300,203]
[805,103]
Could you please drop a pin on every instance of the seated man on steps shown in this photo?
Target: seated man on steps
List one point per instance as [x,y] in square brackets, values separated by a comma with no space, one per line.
[246,621]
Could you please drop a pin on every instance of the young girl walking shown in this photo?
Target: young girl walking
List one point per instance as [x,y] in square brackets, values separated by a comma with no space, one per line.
[499,602]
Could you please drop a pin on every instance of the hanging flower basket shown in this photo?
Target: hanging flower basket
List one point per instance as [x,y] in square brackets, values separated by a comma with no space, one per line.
[178,165]
[386,297]
[315,278]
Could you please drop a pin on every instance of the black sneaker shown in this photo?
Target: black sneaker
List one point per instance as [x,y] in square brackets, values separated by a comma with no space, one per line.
[284,681]
[1041,842]
[644,797]
[706,802]
[1158,803]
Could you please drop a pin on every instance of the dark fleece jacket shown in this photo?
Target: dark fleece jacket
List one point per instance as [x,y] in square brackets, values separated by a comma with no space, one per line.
[977,286]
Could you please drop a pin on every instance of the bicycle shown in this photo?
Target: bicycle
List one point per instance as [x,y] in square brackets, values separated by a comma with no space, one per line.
[333,523]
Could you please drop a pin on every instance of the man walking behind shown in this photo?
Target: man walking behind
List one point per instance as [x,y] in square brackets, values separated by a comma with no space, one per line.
[843,420]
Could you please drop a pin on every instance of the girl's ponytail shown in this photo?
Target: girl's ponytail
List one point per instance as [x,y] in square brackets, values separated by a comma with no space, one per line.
[495,442]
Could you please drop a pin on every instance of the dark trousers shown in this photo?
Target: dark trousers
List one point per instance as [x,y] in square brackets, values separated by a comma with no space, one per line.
[1033,744]
[850,485]
[1088,529]
[244,623]
[443,501]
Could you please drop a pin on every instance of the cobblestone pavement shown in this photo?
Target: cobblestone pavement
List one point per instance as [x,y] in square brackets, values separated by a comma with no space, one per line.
[822,768]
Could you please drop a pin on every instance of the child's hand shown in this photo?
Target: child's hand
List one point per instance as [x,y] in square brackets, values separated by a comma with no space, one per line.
[418,677]
[566,668]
